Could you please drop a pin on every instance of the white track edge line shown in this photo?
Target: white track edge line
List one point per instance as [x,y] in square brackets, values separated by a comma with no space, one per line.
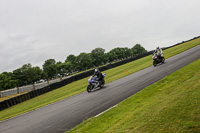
[106,110]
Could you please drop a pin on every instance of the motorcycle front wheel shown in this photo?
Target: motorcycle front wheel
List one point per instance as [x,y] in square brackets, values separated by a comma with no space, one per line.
[163,60]
[89,88]
[154,63]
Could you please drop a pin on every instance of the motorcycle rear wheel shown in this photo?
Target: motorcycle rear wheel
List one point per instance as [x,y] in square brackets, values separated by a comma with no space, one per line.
[102,84]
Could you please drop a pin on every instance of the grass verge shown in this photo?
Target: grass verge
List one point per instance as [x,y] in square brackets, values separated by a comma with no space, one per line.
[170,105]
[80,86]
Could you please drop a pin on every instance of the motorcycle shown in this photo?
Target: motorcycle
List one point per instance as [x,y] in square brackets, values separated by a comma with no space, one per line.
[93,83]
[157,60]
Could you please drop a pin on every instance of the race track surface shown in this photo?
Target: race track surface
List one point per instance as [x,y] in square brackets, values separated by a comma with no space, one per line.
[64,115]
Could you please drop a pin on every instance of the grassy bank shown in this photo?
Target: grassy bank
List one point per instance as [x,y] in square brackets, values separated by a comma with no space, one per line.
[80,86]
[170,105]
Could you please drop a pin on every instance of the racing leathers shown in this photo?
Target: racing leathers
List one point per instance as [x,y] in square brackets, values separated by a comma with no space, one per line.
[99,77]
[159,52]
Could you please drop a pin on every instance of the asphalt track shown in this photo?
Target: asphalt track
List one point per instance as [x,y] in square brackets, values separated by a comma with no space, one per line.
[64,115]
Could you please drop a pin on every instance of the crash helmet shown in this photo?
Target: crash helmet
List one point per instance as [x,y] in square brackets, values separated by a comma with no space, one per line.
[96,70]
[157,48]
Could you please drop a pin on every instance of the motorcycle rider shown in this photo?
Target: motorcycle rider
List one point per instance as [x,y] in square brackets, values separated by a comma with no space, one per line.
[159,52]
[99,76]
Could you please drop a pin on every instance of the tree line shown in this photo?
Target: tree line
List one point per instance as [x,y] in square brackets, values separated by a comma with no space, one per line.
[27,74]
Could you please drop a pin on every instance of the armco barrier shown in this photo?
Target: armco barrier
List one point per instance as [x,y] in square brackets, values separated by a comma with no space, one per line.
[34,93]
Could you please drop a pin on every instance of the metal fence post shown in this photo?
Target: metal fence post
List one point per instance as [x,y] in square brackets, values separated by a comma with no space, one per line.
[0,94]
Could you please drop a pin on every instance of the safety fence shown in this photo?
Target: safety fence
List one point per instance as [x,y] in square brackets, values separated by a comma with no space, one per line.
[27,88]
[39,90]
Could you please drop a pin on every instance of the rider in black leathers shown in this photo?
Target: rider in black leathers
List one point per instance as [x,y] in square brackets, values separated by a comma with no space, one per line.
[99,76]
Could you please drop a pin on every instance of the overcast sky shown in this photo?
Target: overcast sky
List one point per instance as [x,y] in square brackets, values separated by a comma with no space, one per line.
[32,31]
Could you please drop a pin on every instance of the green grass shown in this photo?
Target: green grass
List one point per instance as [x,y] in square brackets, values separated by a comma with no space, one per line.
[170,105]
[80,86]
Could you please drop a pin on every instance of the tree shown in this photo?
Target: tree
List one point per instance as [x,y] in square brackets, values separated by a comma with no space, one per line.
[33,74]
[7,81]
[20,74]
[69,67]
[84,61]
[111,56]
[128,52]
[138,49]
[119,52]
[72,59]
[27,74]
[64,69]
[17,74]
[98,56]
[50,68]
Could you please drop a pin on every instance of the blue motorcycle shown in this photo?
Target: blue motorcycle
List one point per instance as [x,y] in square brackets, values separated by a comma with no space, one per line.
[94,83]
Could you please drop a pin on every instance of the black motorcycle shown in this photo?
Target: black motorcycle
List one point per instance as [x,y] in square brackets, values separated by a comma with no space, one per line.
[157,60]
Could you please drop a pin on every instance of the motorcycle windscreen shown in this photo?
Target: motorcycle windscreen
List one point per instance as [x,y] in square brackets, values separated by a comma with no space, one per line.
[89,79]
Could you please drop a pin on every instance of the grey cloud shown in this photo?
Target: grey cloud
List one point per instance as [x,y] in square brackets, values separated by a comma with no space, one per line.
[33,31]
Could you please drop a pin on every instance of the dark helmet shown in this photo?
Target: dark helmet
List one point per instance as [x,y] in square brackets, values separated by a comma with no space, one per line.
[157,48]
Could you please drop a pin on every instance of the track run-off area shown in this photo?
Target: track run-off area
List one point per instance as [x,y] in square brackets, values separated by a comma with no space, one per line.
[66,114]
